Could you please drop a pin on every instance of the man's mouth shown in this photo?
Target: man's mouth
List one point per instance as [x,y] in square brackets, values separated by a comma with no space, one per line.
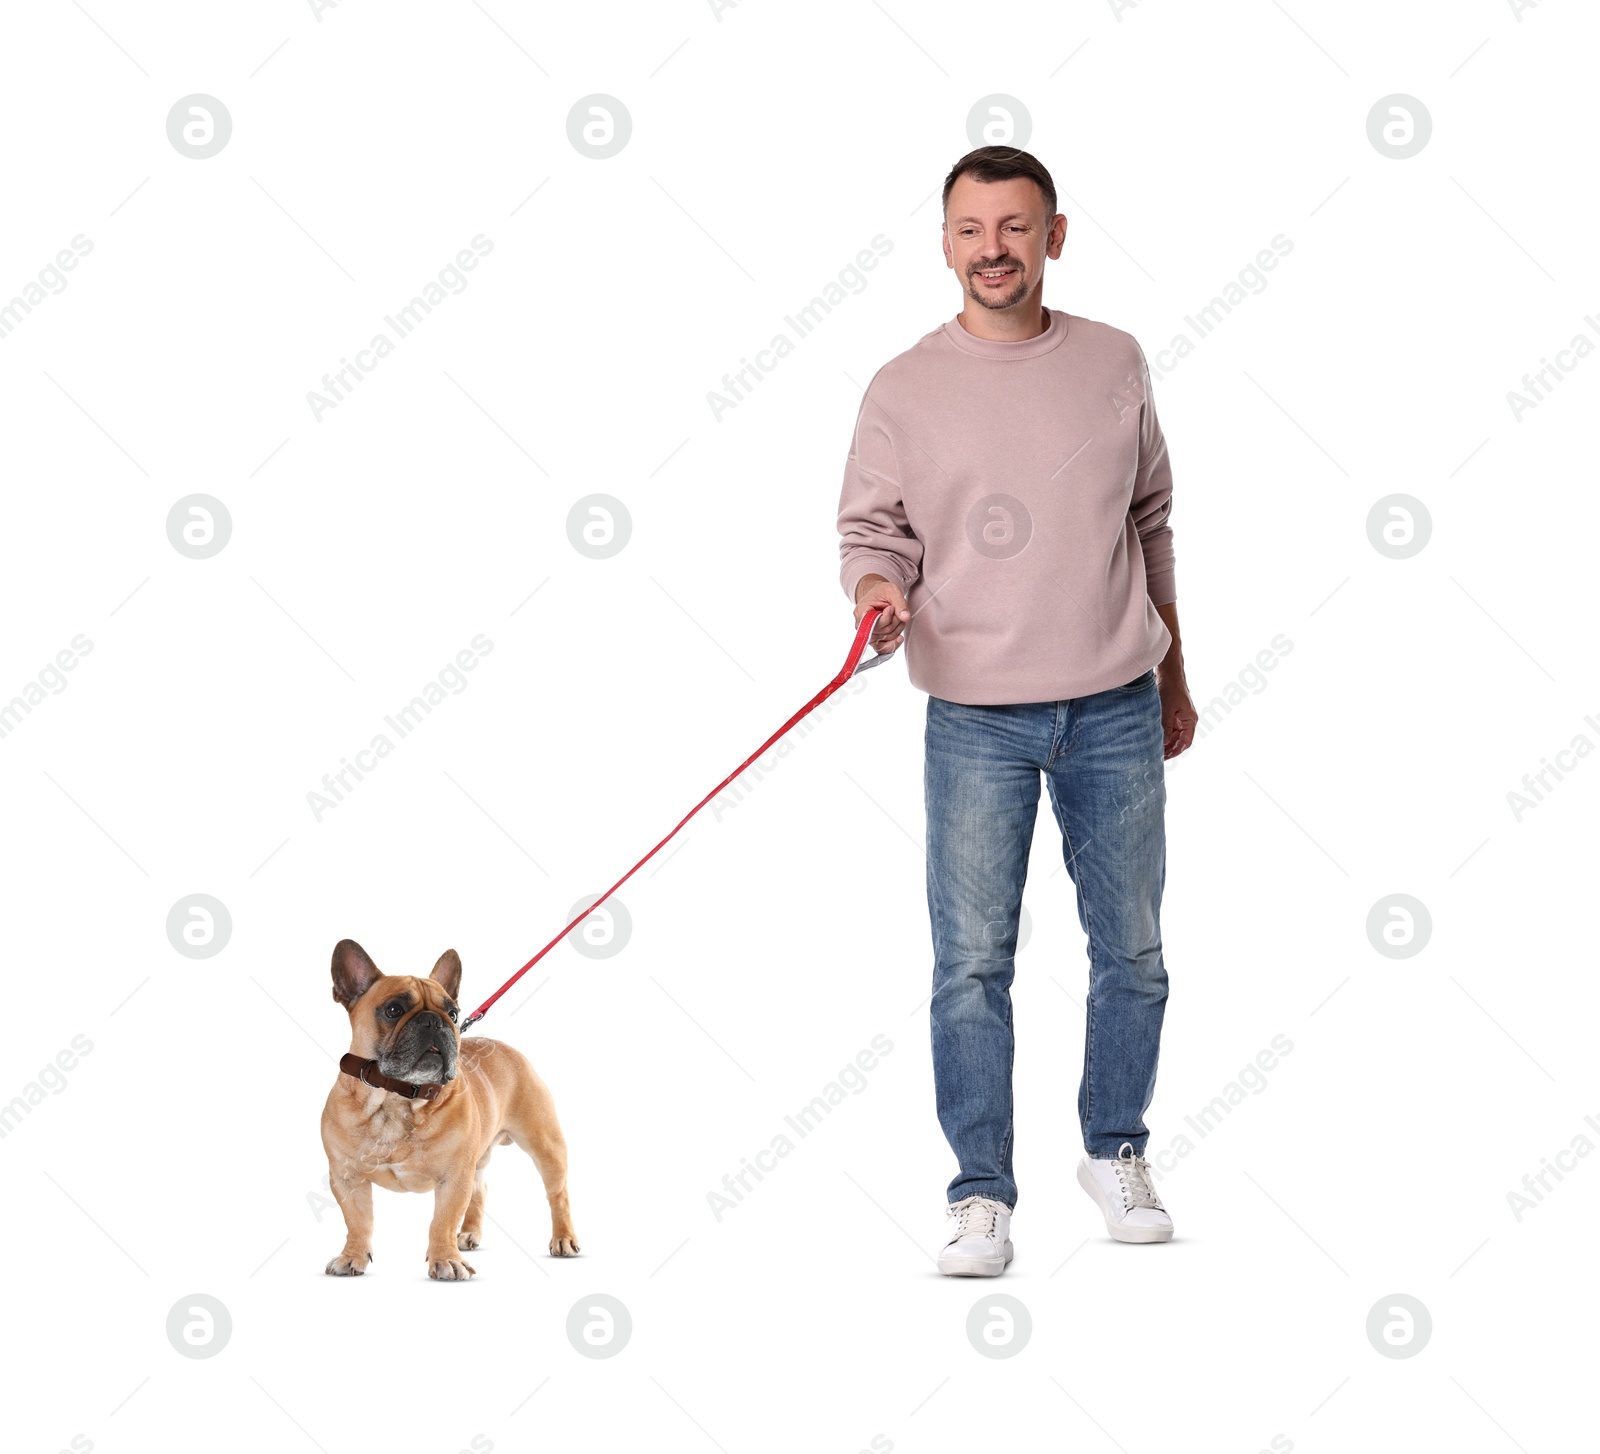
[996,275]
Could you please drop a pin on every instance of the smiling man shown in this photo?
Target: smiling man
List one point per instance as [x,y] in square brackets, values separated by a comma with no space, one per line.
[1006,501]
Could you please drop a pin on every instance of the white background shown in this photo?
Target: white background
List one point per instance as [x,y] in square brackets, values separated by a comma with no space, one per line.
[774,939]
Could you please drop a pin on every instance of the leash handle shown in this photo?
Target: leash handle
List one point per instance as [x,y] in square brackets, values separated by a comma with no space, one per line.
[853,664]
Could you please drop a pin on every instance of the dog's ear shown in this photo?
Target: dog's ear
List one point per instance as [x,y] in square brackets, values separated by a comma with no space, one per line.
[447,972]
[354,973]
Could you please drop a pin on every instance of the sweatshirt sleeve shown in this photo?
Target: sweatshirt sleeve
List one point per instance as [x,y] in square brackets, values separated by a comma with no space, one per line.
[1151,505]
[874,535]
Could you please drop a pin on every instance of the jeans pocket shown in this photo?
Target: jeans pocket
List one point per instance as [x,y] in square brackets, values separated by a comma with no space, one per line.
[1143,682]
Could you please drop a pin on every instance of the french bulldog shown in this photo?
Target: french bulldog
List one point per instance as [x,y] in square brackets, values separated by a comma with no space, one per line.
[416,1109]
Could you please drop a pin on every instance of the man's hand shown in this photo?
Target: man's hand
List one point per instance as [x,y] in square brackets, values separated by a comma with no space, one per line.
[1178,716]
[889,631]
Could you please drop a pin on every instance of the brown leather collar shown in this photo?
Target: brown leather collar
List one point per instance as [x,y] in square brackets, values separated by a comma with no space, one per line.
[367,1072]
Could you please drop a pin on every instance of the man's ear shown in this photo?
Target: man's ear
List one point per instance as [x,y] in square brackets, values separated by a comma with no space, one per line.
[354,973]
[447,972]
[1052,245]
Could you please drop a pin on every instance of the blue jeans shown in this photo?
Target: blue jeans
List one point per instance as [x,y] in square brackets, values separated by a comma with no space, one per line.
[1102,758]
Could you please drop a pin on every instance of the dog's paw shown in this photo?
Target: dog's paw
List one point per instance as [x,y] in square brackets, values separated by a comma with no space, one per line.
[563,1246]
[349,1264]
[467,1241]
[450,1269]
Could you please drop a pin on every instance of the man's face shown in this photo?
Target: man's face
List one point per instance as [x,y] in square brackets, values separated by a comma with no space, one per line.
[996,237]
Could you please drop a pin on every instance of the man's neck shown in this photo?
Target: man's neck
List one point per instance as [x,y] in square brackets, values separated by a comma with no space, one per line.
[1016,324]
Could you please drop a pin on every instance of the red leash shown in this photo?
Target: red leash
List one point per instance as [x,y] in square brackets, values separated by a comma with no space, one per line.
[852,665]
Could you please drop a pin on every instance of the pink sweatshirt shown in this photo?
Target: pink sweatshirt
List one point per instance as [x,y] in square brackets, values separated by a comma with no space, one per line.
[1018,493]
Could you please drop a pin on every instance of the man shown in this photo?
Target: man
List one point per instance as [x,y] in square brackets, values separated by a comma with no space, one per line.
[1006,501]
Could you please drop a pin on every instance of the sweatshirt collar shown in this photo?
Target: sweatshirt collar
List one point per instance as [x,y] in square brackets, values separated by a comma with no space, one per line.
[1041,343]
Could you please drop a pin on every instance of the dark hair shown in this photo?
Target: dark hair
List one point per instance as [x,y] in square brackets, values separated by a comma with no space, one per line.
[1000,164]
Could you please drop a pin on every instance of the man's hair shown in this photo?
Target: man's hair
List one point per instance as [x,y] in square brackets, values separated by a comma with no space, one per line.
[1000,164]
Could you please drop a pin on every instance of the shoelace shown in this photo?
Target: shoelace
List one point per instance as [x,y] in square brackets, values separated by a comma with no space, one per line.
[1134,1173]
[974,1217]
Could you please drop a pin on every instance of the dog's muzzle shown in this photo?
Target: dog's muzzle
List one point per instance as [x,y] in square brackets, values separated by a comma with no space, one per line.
[423,1050]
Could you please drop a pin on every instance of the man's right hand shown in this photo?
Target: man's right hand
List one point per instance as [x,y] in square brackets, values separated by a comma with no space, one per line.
[874,591]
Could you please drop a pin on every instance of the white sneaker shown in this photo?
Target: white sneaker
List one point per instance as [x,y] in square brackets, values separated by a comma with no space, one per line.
[1121,1187]
[979,1240]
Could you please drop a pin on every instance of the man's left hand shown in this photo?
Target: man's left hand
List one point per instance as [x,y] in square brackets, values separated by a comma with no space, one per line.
[1178,716]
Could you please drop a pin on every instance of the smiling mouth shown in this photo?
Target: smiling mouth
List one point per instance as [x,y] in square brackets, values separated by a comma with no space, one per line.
[995,275]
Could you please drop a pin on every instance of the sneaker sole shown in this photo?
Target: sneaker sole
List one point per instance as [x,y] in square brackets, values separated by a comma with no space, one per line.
[1119,1232]
[975,1266]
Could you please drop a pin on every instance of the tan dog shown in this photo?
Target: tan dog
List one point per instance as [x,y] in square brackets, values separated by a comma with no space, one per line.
[414,1109]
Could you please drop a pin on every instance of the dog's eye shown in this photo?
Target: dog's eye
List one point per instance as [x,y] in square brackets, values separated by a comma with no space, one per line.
[452,1012]
[394,1011]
